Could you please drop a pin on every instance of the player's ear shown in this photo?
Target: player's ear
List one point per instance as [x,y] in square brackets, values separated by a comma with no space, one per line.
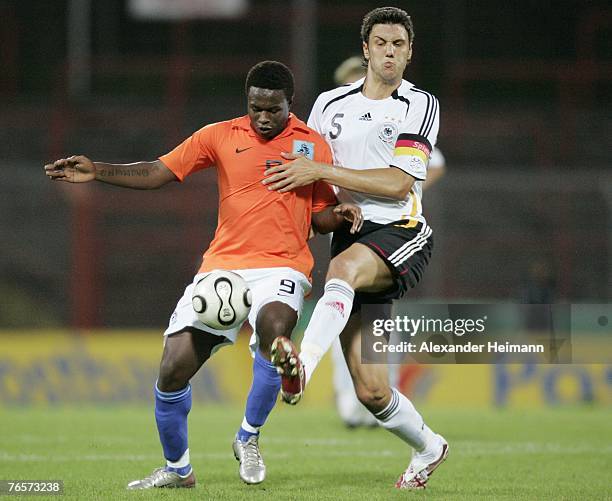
[366,51]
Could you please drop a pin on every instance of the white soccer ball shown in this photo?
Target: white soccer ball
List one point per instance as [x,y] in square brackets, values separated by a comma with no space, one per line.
[222,300]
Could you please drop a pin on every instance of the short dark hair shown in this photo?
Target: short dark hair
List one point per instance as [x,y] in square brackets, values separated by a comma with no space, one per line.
[270,75]
[386,15]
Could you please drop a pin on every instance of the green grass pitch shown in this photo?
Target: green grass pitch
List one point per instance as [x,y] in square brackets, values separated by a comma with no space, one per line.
[562,453]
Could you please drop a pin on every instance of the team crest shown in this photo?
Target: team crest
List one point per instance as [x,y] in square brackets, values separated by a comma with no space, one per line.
[303,148]
[388,132]
[416,163]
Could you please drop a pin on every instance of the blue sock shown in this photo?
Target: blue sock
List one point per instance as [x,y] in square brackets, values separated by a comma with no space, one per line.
[171,410]
[262,397]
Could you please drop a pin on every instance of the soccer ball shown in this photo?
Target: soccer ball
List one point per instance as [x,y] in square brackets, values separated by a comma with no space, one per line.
[222,300]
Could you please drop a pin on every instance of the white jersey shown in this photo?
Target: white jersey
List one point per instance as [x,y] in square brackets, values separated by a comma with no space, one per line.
[399,131]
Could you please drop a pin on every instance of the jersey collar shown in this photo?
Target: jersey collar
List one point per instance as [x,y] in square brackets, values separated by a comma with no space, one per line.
[294,124]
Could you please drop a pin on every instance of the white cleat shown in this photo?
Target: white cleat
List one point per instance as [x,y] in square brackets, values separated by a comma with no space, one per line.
[163,478]
[252,468]
[423,465]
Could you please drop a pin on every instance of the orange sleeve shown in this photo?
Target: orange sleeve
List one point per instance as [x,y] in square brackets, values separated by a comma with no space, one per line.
[195,153]
[323,195]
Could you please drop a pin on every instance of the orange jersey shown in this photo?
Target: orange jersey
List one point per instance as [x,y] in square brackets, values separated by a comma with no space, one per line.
[257,228]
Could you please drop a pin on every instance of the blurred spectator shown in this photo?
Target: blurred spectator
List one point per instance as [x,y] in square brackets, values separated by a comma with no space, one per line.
[349,71]
[540,284]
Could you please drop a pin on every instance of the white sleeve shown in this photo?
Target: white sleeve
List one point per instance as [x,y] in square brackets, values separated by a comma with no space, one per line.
[417,136]
[314,120]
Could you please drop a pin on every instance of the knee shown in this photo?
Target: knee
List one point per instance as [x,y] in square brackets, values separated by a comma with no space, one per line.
[373,396]
[343,268]
[274,327]
[271,324]
[171,377]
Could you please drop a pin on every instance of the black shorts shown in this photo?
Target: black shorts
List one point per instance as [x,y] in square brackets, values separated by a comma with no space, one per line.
[406,251]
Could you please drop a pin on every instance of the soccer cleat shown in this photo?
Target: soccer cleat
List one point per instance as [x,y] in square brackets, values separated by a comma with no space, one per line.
[252,468]
[288,364]
[423,465]
[163,478]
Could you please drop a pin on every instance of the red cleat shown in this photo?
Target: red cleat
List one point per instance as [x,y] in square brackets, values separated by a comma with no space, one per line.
[288,364]
[422,466]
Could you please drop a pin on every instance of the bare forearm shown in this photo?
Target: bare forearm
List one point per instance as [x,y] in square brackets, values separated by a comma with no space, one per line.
[386,182]
[327,221]
[137,175]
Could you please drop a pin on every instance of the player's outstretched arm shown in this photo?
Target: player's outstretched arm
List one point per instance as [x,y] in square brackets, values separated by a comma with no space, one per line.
[331,218]
[385,182]
[138,175]
[74,169]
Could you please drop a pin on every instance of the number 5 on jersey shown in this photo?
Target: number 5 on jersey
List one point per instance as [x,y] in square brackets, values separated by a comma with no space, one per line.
[336,126]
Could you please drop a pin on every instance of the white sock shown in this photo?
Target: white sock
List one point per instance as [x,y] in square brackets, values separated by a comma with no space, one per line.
[402,419]
[247,427]
[350,409]
[183,461]
[327,322]
[343,382]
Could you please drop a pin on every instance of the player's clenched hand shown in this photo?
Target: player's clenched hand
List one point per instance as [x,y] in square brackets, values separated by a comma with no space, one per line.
[351,213]
[300,172]
[75,169]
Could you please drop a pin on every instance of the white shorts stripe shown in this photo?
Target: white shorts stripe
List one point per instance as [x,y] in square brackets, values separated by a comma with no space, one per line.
[417,245]
[424,230]
[409,251]
[412,252]
[420,239]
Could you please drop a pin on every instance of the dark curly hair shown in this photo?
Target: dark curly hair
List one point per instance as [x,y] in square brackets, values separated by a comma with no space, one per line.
[271,75]
[386,15]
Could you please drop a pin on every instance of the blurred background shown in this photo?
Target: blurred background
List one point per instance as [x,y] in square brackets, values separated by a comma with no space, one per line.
[523,212]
